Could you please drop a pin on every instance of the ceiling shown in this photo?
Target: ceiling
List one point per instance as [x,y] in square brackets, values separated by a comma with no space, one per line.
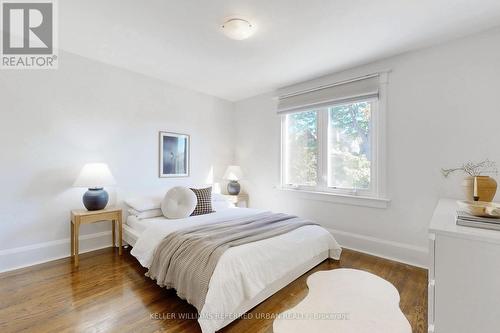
[180,42]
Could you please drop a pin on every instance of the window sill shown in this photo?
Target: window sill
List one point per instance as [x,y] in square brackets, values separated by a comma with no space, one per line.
[346,199]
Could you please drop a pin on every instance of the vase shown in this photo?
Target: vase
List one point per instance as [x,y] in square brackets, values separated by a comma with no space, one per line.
[95,198]
[486,188]
[233,187]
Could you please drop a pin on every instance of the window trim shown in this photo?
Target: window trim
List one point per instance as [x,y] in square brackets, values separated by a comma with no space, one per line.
[346,199]
[377,190]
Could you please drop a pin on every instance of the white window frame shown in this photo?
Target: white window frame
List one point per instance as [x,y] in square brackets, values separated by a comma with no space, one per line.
[376,195]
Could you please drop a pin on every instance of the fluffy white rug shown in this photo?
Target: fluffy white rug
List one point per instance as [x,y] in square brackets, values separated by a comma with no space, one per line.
[345,301]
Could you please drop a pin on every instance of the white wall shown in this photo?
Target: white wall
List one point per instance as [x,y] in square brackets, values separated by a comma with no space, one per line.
[54,121]
[442,110]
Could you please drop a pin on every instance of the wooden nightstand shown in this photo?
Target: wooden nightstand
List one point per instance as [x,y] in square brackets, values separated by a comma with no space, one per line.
[240,200]
[82,216]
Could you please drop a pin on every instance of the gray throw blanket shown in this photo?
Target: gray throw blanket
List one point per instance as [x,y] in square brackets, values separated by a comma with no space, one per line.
[186,259]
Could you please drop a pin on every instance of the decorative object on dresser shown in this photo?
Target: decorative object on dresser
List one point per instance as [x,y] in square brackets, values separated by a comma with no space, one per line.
[478,214]
[95,176]
[233,174]
[240,200]
[80,216]
[480,188]
[477,186]
[480,208]
[174,156]
[463,275]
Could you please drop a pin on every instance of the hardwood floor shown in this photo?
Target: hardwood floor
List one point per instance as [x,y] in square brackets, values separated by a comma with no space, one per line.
[108,293]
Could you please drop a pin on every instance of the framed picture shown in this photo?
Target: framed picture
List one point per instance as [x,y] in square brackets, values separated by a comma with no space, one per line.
[174,155]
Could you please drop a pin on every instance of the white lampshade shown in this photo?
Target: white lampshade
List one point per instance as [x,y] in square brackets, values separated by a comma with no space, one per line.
[233,172]
[95,175]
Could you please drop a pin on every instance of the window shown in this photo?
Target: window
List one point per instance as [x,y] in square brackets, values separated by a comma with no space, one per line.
[331,149]
[349,154]
[301,157]
[333,138]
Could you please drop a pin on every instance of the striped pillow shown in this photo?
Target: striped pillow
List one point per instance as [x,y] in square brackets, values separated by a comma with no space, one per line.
[204,197]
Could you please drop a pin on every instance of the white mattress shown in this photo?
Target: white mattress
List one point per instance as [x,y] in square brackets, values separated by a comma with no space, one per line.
[138,224]
[242,271]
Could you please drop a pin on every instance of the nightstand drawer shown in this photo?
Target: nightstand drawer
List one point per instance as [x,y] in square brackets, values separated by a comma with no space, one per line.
[106,216]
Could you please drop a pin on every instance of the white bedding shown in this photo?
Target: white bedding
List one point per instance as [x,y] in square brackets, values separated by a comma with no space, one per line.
[242,271]
[140,225]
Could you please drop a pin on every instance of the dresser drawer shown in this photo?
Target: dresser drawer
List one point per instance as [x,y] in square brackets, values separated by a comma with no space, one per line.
[466,289]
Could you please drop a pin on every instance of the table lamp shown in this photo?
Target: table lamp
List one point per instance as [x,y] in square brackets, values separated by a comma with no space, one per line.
[95,176]
[233,174]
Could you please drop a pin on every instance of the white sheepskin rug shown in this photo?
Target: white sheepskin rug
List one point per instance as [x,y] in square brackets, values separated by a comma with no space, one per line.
[345,301]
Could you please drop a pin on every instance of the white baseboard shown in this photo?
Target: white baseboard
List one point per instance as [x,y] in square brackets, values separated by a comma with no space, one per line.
[408,254]
[24,256]
[20,257]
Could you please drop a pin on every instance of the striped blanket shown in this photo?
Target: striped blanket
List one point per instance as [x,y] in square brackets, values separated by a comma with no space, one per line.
[186,259]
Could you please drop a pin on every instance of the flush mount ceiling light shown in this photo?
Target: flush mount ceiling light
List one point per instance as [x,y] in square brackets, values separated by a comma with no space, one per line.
[237,28]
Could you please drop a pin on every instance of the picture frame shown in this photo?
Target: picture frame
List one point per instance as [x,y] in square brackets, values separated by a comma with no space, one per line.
[174,155]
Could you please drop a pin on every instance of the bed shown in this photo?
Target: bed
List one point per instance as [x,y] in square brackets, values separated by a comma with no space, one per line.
[245,275]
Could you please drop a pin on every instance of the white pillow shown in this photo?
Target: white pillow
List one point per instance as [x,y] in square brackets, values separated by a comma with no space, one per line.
[144,203]
[146,214]
[221,205]
[178,203]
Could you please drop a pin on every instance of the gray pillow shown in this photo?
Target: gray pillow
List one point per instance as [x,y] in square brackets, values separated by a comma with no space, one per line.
[204,199]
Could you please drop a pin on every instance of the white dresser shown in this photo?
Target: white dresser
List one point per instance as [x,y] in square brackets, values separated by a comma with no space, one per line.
[464,275]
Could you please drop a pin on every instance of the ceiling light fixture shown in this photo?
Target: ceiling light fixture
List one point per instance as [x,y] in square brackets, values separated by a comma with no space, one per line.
[237,28]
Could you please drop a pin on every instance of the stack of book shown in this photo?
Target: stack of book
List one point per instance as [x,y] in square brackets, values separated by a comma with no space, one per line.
[468,220]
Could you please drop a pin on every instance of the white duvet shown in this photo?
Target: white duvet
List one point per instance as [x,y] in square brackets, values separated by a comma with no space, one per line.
[242,271]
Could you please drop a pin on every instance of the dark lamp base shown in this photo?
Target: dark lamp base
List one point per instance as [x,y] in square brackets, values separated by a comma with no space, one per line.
[95,199]
[233,187]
